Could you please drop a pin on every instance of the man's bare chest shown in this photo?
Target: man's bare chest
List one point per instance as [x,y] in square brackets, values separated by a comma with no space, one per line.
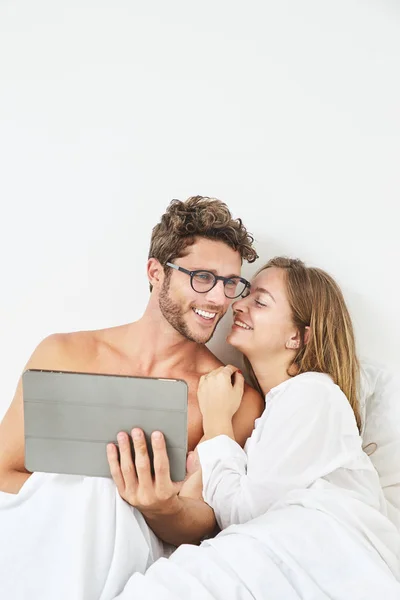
[123,367]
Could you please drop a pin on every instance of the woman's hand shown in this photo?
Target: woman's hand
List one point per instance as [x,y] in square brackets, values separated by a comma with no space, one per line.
[218,398]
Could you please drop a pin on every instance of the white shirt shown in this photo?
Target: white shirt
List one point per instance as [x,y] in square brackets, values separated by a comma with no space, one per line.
[305,450]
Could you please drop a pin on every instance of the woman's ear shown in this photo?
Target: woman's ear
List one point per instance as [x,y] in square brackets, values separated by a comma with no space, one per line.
[294,342]
[155,272]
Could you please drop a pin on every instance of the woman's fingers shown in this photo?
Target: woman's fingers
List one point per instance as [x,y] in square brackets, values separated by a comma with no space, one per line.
[231,369]
[224,369]
[239,381]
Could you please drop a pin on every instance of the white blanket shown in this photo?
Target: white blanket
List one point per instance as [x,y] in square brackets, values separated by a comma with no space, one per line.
[287,554]
[73,538]
[70,538]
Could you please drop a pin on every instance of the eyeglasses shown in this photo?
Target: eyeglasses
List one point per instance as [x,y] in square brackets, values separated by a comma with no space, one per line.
[204,281]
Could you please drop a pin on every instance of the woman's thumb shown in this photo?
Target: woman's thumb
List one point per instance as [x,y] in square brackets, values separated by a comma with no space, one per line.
[239,381]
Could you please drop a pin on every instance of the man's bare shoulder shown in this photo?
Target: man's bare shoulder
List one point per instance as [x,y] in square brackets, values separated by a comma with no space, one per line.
[250,409]
[73,350]
[96,351]
[64,344]
[252,396]
[207,361]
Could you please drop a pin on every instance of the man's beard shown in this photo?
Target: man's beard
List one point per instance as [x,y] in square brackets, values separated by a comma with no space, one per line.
[173,313]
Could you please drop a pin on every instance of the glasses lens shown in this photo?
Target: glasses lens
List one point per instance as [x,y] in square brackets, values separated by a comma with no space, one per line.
[234,287]
[203,281]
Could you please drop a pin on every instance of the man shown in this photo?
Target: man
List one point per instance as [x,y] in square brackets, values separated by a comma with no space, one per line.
[200,236]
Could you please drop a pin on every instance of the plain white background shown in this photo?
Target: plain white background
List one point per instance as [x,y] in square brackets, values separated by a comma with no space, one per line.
[289,111]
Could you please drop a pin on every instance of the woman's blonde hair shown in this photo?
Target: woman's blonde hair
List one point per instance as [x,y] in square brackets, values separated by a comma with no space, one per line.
[317,302]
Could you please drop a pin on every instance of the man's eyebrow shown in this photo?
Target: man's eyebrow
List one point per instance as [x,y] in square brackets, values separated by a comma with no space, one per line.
[264,291]
[215,272]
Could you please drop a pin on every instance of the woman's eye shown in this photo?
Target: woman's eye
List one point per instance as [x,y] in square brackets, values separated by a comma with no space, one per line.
[259,303]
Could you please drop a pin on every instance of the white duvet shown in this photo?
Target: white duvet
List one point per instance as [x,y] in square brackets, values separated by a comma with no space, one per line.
[73,538]
[68,537]
[326,536]
[288,554]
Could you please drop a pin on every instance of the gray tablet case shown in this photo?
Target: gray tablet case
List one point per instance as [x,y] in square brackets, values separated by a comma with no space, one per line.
[70,417]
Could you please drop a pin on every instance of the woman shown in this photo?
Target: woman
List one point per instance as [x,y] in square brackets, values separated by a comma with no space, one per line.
[296,331]
[312,513]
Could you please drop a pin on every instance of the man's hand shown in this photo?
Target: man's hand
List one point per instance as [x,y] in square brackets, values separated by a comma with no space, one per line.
[173,519]
[134,480]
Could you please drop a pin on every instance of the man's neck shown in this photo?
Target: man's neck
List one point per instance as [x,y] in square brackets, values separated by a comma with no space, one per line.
[154,345]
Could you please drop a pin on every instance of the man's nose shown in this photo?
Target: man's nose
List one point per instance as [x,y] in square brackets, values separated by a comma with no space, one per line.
[217,294]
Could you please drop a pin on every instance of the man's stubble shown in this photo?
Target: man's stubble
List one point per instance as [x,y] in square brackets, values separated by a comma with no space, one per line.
[173,313]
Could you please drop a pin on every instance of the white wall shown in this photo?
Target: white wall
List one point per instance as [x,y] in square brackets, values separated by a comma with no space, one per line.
[289,111]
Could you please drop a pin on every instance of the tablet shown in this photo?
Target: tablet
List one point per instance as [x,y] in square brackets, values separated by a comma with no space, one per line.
[70,417]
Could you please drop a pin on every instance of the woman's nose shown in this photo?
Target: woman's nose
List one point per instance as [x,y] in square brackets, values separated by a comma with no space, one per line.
[237,306]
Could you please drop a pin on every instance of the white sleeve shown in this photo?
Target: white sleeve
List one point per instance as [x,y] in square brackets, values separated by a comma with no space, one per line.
[310,432]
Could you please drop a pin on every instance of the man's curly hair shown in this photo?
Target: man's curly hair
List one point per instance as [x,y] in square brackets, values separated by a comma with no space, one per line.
[198,216]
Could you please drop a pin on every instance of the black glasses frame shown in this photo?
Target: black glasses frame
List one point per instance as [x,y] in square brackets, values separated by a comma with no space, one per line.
[216,279]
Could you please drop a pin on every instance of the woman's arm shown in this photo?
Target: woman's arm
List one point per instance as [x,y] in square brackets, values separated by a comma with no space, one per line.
[309,433]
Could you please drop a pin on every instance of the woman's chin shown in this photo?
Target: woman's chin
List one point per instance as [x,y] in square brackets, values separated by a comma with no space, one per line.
[233,341]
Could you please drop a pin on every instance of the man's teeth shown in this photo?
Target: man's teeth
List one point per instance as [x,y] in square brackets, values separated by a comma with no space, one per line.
[242,325]
[204,313]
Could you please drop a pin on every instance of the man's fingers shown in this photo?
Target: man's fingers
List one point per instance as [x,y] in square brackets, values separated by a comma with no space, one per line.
[177,486]
[115,469]
[192,462]
[161,465]
[126,460]
[142,460]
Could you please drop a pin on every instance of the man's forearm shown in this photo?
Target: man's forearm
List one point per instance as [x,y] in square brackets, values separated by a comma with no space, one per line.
[187,522]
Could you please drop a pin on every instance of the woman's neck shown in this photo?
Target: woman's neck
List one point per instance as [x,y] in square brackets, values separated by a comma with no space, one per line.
[270,372]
